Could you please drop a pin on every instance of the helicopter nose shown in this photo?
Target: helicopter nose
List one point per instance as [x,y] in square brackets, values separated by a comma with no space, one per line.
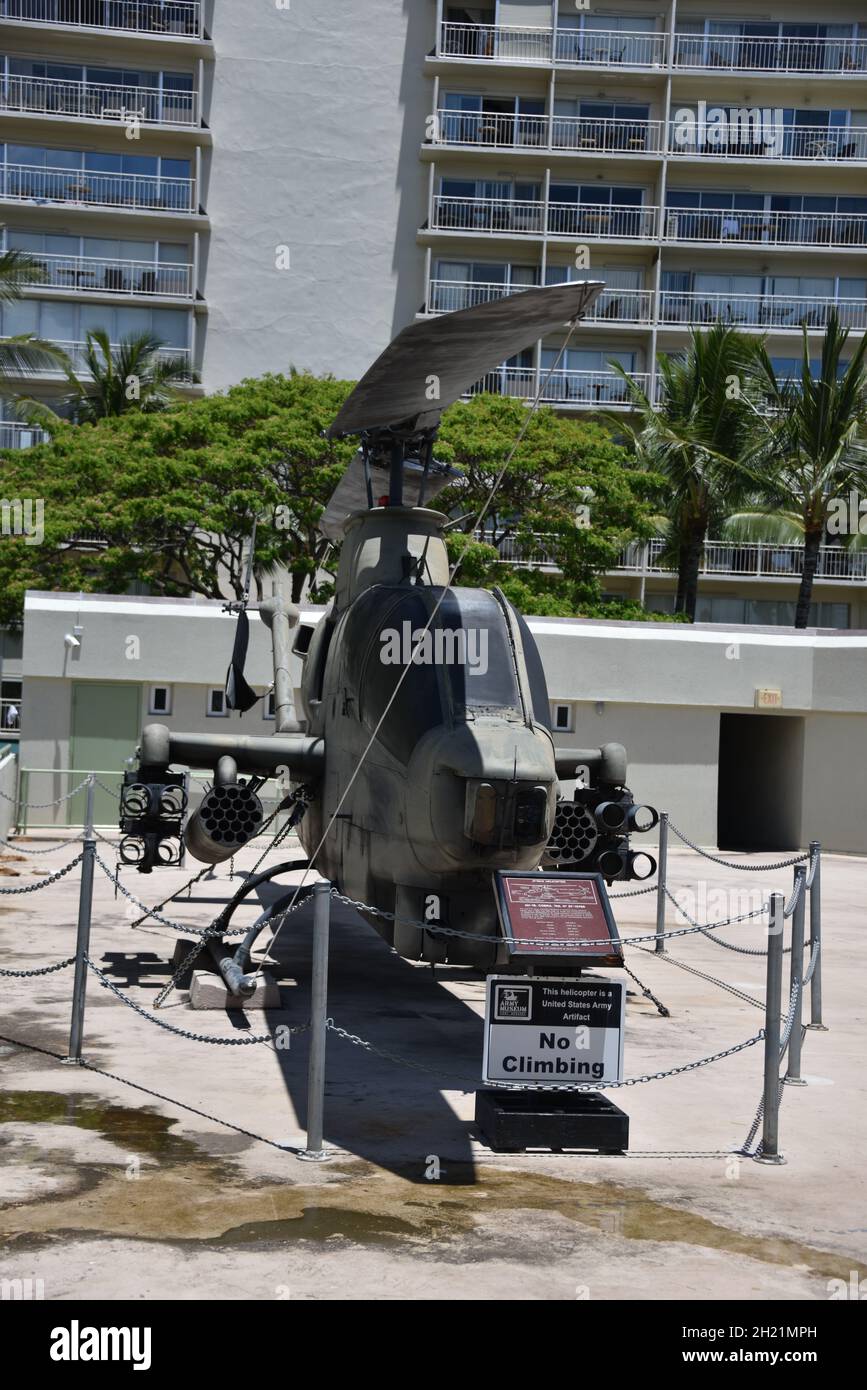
[502,784]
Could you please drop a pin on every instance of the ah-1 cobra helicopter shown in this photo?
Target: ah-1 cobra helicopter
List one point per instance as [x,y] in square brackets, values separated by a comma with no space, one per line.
[417,779]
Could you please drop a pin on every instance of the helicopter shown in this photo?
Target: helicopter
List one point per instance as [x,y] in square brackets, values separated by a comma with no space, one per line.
[421,758]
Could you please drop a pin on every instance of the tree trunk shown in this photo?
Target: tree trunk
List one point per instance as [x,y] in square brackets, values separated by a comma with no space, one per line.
[812,541]
[688,568]
[692,567]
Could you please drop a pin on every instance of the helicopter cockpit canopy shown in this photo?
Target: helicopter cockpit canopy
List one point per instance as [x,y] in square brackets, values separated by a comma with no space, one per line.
[467,645]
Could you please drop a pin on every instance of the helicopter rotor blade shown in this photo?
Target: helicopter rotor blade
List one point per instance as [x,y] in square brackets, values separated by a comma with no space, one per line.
[429,365]
[239,695]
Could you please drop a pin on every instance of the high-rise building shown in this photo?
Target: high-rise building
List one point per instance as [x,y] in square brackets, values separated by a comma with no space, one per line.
[260,184]
[266,183]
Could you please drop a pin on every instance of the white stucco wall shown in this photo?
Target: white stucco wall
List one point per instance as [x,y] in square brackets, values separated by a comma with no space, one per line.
[318,113]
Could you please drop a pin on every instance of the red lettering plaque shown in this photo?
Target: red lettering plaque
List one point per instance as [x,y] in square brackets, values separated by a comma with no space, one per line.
[558,914]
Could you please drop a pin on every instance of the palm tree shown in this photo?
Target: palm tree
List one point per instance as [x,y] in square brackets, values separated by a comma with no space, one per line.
[134,375]
[810,448]
[23,354]
[693,438]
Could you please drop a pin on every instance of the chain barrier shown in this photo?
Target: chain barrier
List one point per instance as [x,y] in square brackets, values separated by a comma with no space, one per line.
[44,882]
[41,805]
[816,947]
[797,890]
[436,930]
[528,1086]
[152,912]
[702,975]
[729,864]
[660,1007]
[184,1032]
[707,929]
[43,970]
[634,892]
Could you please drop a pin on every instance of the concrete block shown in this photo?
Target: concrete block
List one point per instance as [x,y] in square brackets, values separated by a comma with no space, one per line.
[208,991]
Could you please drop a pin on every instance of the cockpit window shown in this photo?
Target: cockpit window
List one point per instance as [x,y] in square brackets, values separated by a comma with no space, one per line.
[480,668]
[418,705]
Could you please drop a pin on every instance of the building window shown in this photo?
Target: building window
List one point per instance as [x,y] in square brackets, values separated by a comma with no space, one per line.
[268,711]
[563,718]
[217,702]
[160,699]
[10,707]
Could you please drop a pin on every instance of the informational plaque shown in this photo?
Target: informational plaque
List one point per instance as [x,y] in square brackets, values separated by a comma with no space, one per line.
[557,914]
[553,1032]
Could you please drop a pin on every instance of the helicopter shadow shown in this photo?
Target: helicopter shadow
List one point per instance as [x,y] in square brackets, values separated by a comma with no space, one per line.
[391,1112]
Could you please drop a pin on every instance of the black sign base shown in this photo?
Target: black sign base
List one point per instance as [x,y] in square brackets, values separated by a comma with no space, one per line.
[515,1121]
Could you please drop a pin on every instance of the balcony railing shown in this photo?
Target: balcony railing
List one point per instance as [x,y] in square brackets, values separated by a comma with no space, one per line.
[766,228]
[760,311]
[561,387]
[603,221]
[758,560]
[182,17]
[613,305]
[50,96]
[112,276]
[580,134]
[748,138]
[599,221]
[34,183]
[741,53]
[520,44]
[15,435]
[610,48]
[77,354]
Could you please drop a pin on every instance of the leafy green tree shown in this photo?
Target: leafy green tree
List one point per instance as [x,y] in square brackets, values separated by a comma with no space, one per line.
[810,449]
[693,437]
[169,499]
[136,374]
[569,491]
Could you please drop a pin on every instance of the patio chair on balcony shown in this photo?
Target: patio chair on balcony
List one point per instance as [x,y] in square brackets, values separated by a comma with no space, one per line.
[113,278]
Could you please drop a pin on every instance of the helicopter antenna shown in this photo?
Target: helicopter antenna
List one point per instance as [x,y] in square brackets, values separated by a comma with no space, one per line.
[422,634]
[240,695]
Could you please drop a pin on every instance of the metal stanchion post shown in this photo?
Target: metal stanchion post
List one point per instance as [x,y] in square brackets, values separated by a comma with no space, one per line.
[661,883]
[82,944]
[773,1002]
[816,938]
[318,1032]
[793,1070]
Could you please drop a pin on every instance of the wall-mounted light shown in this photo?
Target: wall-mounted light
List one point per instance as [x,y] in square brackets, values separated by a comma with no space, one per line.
[70,641]
[599,706]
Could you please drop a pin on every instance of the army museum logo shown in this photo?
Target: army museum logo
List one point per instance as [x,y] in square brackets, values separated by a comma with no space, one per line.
[511,1002]
[445,646]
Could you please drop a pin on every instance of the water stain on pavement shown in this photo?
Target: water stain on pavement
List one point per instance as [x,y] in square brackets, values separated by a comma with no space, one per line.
[187,1196]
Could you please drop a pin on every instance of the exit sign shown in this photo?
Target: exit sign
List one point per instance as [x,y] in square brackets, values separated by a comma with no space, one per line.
[767,698]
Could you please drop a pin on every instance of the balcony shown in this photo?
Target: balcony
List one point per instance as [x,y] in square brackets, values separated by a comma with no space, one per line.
[803,229]
[601,390]
[612,306]
[603,221]
[577,134]
[746,139]
[769,312]
[113,276]
[34,183]
[740,53]
[509,216]
[505,43]
[15,435]
[179,17]
[77,352]
[757,561]
[49,96]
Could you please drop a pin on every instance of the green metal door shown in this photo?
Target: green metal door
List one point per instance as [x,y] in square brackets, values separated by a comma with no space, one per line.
[105,730]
